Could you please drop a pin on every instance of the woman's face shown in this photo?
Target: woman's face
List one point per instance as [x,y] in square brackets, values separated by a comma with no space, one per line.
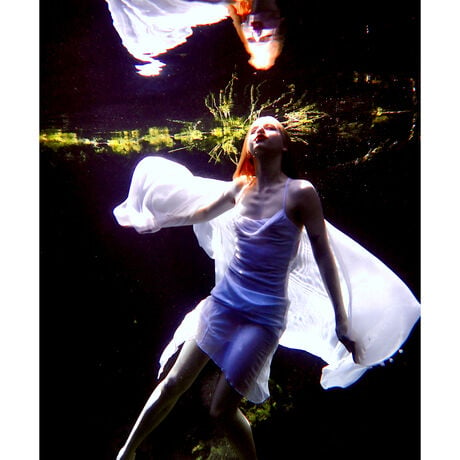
[261,33]
[265,136]
[261,27]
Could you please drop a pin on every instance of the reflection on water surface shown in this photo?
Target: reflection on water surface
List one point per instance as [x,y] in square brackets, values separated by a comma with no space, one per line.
[375,116]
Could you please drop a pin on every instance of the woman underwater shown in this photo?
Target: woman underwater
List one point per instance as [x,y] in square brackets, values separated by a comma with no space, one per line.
[271,218]
[149,28]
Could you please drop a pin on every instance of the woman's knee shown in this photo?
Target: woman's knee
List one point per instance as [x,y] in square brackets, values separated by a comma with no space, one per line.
[185,370]
[225,402]
[171,387]
[219,413]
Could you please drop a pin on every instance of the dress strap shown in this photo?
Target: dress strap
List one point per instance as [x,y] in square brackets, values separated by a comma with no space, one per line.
[285,193]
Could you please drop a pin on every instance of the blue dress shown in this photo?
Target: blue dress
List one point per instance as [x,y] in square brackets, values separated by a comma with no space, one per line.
[254,261]
[243,319]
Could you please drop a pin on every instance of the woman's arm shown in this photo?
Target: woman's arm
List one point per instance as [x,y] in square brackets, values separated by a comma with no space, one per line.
[310,213]
[225,202]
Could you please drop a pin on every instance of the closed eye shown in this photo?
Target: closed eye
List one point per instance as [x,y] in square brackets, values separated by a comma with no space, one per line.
[269,127]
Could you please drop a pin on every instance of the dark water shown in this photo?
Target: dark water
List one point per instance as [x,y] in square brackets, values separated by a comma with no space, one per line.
[110,298]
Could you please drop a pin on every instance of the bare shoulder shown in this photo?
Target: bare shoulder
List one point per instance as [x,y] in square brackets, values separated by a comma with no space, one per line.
[303,204]
[302,190]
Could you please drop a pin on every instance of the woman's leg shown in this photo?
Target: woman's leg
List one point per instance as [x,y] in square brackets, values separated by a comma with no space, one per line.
[185,370]
[224,409]
[251,347]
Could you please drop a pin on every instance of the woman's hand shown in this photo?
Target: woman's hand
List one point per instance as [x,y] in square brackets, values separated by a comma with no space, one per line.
[343,334]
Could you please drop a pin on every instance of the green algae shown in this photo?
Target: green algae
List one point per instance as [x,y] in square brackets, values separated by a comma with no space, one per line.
[340,130]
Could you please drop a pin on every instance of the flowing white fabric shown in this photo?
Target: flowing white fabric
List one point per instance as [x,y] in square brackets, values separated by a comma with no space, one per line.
[148,28]
[381,308]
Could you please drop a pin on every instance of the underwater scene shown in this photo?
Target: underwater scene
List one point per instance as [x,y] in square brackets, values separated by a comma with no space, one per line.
[346,86]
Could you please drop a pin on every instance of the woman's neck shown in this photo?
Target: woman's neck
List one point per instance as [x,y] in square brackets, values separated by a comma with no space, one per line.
[268,173]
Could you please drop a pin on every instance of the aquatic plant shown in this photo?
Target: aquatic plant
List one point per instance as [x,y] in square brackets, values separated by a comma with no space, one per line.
[222,105]
[121,142]
[190,136]
[230,129]
[337,131]
[56,138]
[217,449]
[125,142]
[278,402]
[158,138]
[295,114]
[301,120]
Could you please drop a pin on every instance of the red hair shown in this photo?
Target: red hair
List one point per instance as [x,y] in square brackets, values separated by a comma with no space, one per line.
[241,8]
[245,166]
[263,61]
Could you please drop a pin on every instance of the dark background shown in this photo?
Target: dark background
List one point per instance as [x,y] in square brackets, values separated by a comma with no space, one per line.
[110,298]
